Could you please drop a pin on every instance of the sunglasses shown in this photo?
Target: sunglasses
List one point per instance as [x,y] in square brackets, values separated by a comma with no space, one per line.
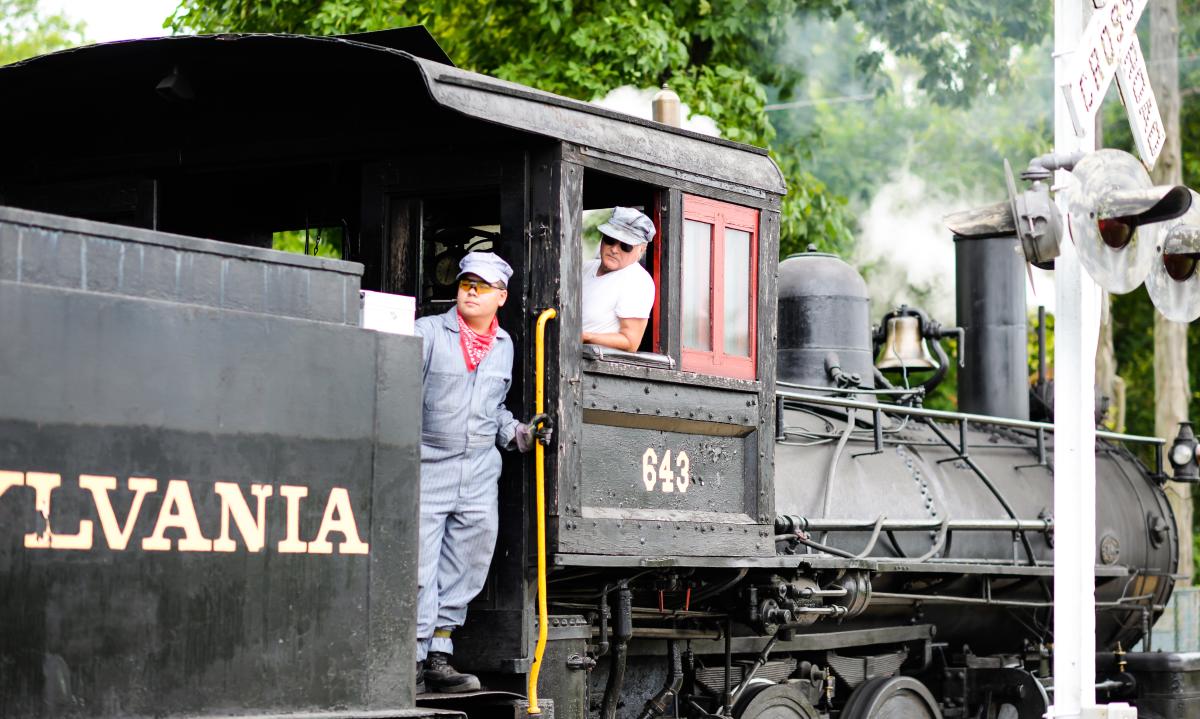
[625,246]
[480,287]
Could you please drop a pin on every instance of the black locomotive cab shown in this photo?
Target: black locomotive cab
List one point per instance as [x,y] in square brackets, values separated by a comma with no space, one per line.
[378,147]
[664,446]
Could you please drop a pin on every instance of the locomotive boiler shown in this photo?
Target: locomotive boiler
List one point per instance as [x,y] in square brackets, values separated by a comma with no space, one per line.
[974,490]
[208,470]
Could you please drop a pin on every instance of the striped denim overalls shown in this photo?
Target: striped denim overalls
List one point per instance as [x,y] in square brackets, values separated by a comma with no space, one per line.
[464,420]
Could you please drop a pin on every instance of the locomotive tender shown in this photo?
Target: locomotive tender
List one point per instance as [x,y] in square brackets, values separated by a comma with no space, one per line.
[208,472]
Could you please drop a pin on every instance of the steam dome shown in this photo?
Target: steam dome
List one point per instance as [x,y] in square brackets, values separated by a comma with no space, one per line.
[823,311]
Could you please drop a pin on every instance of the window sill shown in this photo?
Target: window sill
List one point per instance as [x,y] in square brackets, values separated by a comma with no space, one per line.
[600,353]
[619,369]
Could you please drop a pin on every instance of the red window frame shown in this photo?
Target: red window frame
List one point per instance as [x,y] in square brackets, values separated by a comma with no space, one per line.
[722,215]
[655,320]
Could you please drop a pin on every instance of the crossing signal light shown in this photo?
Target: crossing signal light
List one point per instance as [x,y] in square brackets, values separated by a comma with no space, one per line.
[1115,217]
[1173,282]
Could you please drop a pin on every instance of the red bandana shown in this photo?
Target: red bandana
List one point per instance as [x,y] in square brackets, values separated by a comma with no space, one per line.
[475,346]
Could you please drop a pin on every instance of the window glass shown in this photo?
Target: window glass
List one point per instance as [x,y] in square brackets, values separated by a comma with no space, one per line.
[590,237]
[450,228]
[737,292]
[318,241]
[719,295]
[697,290]
[620,311]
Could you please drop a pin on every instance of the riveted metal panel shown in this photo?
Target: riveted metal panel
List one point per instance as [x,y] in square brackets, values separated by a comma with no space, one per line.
[645,473]
[630,423]
[44,249]
[102,622]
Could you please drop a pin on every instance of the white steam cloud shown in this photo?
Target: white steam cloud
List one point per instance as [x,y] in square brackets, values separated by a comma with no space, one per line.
[635,101]
[906,250]
[907,254]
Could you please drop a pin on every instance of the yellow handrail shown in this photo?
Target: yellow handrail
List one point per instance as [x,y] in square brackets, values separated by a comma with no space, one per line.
[540,491]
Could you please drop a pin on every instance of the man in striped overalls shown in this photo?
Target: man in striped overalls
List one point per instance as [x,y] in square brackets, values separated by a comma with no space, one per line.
[467,370]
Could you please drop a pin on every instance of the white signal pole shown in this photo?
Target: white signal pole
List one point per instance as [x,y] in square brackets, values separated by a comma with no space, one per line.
[1076,330]
[1085,62]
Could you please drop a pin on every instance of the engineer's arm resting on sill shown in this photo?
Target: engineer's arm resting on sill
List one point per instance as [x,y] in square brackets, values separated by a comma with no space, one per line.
[628,338]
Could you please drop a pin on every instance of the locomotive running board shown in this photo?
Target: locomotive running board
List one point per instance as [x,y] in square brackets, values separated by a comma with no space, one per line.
[484,703]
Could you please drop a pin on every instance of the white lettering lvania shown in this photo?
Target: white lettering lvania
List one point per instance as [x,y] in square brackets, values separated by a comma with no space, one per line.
[233,503]
[178,511]
[291,544]
[339,504]
[44,484]
[115,535]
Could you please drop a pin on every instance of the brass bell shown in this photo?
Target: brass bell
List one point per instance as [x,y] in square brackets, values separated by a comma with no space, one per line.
[904,349]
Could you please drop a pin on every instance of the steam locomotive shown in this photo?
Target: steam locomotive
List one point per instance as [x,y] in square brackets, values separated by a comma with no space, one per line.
[209,471]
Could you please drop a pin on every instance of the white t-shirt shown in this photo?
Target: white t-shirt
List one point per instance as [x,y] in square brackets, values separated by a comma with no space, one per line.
[627,293]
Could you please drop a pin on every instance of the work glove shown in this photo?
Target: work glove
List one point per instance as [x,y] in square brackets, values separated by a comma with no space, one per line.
[527,434]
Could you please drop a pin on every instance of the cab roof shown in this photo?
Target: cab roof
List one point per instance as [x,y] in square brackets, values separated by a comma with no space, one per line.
[116,91]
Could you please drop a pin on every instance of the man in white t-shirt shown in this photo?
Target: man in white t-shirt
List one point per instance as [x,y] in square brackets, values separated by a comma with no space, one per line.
[618,293]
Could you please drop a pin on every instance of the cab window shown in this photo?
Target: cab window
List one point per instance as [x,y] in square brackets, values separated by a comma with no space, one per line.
[450,228]
[602,193]
[719,288]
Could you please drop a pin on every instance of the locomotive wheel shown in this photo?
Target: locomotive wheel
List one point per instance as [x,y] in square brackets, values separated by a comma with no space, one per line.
[891,698]
[773,701]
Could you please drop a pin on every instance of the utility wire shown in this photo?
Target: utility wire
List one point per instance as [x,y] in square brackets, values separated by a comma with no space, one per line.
[839,100]
[868,96]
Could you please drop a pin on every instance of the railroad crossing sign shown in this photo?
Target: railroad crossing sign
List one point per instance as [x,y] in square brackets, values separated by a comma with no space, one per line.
[1109,47]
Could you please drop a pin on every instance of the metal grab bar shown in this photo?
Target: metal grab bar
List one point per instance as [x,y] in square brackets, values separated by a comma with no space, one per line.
[785,524]
[952,416]
[540,492]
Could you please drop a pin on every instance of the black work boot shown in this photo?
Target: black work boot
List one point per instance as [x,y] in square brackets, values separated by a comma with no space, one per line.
[420,678]
[441,677]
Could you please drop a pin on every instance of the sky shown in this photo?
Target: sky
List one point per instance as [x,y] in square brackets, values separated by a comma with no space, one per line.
[115,19]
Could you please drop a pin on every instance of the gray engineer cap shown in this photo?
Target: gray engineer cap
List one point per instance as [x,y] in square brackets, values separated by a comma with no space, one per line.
[487,265]
[629,226]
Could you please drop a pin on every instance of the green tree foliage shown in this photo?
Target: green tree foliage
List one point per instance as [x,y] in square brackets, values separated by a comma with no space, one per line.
[318,241]
[721,57]
[812,214]
[717,56]
[1189,88]
[1133,344]
[964,46]
[25,31]
[867,126]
